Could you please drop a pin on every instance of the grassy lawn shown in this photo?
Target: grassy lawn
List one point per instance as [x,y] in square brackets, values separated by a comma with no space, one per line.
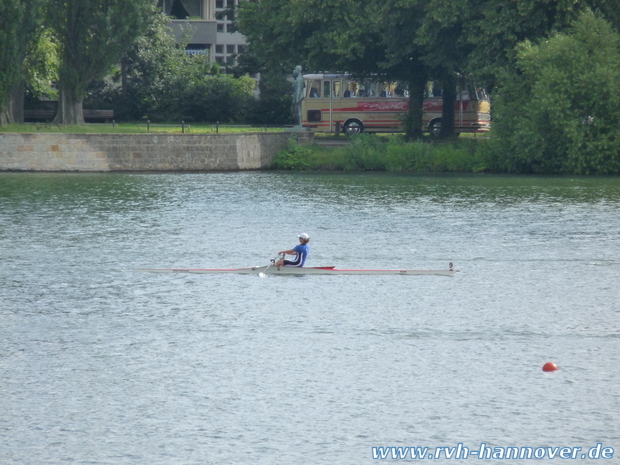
[135,128]
[171,128]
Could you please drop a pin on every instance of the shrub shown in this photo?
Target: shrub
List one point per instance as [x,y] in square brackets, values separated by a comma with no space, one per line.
[560,113]
[373,153]
[294,157]
[366,152]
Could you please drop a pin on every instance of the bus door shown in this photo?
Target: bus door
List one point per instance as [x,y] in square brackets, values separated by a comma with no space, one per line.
[467,98]
[459,98]
[331,94]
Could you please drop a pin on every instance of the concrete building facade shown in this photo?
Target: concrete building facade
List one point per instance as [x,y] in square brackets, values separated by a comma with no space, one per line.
[210,36]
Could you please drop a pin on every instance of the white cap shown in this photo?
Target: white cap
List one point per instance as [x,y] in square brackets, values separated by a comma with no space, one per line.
[304,236]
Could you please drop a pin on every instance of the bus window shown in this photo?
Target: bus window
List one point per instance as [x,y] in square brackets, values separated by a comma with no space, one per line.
[350,89]
[326,89]
[433,90]
[385,90]
[366,90]
[314,88]
[336,88]
[400,90]
[481,94]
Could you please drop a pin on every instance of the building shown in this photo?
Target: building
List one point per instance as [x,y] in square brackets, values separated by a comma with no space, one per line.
[210,36]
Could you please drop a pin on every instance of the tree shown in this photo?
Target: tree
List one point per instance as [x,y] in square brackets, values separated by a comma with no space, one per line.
[395,26]
[160,82]
[93,36]
[154,74]
[495,27]
[41,68]
[560,113]
[407,40]
[478,39]
[20,27]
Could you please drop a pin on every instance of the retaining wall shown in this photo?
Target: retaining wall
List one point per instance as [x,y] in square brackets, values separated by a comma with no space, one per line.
[142,152]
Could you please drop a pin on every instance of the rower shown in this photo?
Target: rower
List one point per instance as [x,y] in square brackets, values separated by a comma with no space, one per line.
[300,251]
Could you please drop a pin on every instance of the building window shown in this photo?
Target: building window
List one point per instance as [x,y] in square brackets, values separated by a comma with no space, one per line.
[220,27]
[196,49]
[230,49]
[182,9]
[219,4]
[219,48]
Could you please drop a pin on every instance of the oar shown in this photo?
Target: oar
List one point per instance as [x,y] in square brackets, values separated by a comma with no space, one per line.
[272,262]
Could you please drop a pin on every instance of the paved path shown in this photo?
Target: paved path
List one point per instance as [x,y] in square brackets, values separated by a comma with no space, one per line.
[341,142]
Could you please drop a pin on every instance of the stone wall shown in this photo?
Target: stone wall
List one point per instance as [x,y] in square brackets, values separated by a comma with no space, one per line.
[142,152]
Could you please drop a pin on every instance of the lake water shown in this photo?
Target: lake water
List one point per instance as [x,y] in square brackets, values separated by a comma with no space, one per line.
[104,365]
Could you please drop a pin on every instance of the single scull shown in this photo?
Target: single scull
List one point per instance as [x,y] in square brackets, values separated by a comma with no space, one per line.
[289,270]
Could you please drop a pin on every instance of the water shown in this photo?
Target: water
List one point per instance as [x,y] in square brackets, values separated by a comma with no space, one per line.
[104,365]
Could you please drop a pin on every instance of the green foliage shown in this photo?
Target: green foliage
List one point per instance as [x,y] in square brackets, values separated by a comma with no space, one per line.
[93,36]
[274,104]
[216,98]
[466,156]
[495,27]
[270,110]
[20,28]
[368,152]
[294,157]
[561,113]
[405,39]
[41,67]
[11,13]
[166,84]
[356,36]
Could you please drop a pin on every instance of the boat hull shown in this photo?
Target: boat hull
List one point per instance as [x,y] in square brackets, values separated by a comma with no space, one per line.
[286,270]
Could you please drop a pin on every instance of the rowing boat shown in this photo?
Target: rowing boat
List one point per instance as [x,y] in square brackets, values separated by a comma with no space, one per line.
[290,270]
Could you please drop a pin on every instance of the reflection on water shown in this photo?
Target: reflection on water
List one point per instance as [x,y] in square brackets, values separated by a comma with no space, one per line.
[105,365]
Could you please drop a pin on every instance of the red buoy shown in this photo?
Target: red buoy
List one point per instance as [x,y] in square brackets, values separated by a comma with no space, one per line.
[550,366]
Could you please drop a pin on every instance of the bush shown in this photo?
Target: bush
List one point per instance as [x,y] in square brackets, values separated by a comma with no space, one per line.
[270,110]
[294,157]
[368,152]
[217,98]
[462,156]
[166,84]
[560,113]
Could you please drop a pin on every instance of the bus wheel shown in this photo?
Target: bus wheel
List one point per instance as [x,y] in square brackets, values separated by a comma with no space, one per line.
[353,127]
[434,129]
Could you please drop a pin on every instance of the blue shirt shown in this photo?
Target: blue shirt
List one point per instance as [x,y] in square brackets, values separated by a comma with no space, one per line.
[302,254]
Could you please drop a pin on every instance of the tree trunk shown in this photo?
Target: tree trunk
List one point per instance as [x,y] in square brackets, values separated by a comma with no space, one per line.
[124,82]
[449,101]
[413,120]
[18,97]
[69,108]
[13,109]
[6,116]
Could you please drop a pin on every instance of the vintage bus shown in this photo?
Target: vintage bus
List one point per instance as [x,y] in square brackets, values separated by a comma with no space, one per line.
[337,102]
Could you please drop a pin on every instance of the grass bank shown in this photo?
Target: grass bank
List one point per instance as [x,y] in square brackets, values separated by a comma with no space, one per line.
[368,152]
[134,128]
